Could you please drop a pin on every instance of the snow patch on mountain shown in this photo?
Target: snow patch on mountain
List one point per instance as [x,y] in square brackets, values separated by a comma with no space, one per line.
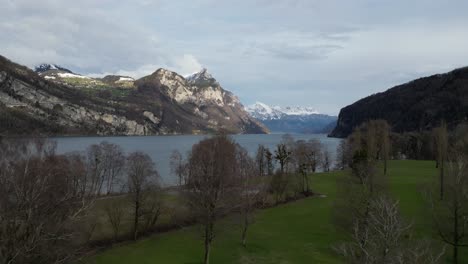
[71,75]
[126,79]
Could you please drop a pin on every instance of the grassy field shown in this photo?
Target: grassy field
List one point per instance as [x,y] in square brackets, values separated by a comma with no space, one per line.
[298,232]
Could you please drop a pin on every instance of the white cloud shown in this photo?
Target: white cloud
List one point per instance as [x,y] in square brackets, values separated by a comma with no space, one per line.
[261,50]
[186,64]
[183,65]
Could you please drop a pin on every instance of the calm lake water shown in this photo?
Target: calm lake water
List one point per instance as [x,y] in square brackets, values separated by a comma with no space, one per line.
[159,148]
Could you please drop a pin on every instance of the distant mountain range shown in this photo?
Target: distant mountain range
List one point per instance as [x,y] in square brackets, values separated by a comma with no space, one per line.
[53,100]
[418,105]
[293,119]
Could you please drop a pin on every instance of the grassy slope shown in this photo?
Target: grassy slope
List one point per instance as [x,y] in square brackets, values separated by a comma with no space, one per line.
[299,232]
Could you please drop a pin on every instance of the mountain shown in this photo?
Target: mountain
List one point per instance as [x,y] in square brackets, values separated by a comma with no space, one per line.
[414,106]
[48,68]
[291,119]
[55,101]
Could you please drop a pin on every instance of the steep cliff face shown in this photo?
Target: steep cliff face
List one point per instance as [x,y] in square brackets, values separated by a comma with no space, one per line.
[30,104]
[415,106]
[200,95]
[55,100]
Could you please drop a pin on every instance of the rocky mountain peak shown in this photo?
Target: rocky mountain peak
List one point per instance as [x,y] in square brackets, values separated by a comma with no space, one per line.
[48,67]
[202,78]
[167,77]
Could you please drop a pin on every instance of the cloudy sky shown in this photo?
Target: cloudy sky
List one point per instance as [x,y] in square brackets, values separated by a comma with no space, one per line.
[324,54]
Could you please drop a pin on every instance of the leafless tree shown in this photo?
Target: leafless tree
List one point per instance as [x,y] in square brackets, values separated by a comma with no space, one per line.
[383,137]
[178,166]
[151,211]
[42,196]
[278,185]
[115,212]
[373,137]
[303,157]
[142,179]
[441,147]
[261,161]
[212,184]
[314,154]
[113,159]
[356,191]
[381,238]
[269,161]
[252,191]
[342,155]
[451,213]
[96,167]
[326,161]
[283,156]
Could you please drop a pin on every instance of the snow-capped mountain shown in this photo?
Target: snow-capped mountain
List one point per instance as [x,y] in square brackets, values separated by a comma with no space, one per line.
[298,110]
[291,119]
[54,71]
[202,78]
[48,67]
[263,111]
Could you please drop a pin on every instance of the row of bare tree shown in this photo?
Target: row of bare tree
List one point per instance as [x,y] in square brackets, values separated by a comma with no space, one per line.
[371,218]
[219,178]
[46,198]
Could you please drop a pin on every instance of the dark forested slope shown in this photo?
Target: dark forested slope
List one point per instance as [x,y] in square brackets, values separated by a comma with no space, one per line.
[415,106]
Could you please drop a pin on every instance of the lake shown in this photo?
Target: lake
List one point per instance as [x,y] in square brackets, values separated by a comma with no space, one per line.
[159,148]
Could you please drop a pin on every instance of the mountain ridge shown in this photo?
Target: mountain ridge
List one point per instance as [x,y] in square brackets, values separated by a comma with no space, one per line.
[417,105]
[291,119]
[155,104]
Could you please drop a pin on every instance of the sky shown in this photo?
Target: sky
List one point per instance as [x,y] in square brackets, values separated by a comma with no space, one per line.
[324,54]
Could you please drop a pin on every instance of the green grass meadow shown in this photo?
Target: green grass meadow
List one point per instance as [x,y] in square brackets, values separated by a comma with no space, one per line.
[297,232]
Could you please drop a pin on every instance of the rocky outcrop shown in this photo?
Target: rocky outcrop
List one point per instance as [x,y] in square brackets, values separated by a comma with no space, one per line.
[415,106]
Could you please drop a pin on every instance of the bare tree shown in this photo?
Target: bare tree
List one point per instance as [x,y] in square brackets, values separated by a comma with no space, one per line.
[383,130]
[301,157]
[326,161]
[441,148]
[342,156]
[283,156]
[451,213]
[381,238]
[251,191]
[41,199]
[261,161]
[96,167]
[113,159]
[269,161]
[278,185]
[142,177]
[314,154]
[115,212]
[151,211]
[373,137]
[178,167]
[212,184]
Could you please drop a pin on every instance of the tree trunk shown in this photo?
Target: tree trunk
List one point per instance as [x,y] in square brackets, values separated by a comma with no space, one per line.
[207,244]
[442,180]
[455,235]
[455,254]
[244,231]
[135,221]
[385,167]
